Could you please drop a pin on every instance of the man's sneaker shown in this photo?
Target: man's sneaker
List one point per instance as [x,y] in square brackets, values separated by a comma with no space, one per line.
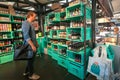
[34,77]
[26,74]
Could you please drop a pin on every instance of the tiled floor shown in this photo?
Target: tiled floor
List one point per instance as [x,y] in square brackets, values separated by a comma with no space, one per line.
[45,66]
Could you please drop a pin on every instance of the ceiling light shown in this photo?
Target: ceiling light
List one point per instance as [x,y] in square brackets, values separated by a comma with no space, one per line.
[69,0]
[49,5]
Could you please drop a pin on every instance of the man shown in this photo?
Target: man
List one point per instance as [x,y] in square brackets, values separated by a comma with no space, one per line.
[30,38]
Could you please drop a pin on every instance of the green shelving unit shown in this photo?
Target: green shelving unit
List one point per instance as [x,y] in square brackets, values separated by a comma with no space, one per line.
[6,37]
[77,60]
[9,37]
[74,61]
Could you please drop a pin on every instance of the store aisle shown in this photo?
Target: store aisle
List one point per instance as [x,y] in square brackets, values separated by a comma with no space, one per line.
[45,66]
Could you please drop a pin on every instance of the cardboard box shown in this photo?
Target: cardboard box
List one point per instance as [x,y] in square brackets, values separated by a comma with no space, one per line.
[11,10]
[55,6]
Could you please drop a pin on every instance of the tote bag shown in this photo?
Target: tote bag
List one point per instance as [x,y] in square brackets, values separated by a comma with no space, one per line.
[96,67]
[100,66]
[23,52]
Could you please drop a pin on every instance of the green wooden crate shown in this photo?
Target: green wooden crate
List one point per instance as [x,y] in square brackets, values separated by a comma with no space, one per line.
[77,70]
[72,8]
[62,61]
[68,30]
[63,14]
[54,46]
[9,35]
[79,17]
[50,15]
[71,55]
[54,55]
[81,31]
[7,16]
[55,16]
[62,47]
[6,58]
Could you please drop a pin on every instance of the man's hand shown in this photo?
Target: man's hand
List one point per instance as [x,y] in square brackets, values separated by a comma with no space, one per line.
[32,45]
[33,48]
